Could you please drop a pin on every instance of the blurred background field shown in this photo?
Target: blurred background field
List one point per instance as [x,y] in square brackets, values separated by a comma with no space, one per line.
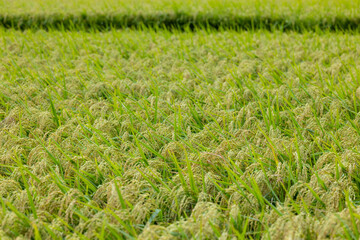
[269,14]
[292,9]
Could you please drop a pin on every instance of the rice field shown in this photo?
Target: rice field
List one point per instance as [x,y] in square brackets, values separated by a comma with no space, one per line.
[156,133]
[296,8]
[104,15]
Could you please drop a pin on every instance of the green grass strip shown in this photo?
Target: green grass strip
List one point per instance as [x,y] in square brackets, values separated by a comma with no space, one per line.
[176,21]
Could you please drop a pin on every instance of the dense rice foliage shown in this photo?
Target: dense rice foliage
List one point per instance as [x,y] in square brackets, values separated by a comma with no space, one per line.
[159,135]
